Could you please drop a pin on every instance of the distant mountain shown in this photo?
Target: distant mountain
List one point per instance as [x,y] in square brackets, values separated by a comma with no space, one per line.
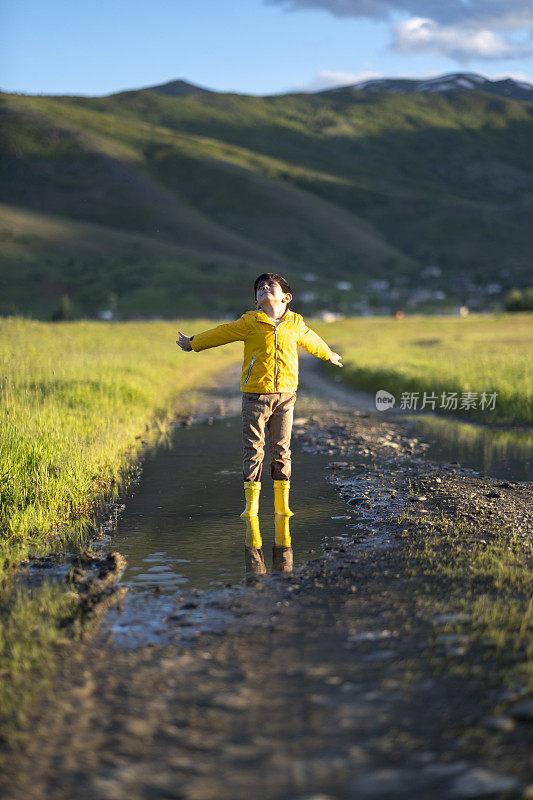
[170,200]
[458,81]
[177,88]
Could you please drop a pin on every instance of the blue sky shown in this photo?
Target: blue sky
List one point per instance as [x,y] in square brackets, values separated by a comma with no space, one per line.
[255,46]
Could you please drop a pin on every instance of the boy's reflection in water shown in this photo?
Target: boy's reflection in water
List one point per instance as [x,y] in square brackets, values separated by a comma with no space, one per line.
[253,553]
[282,557]
[282,550]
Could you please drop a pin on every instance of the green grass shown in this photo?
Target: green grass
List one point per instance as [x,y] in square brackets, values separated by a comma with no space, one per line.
[77,399]
[32,634]
[348,185]
[489,571]
[444,354]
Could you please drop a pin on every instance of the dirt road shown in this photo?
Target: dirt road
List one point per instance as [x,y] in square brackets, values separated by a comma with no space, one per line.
[359,675]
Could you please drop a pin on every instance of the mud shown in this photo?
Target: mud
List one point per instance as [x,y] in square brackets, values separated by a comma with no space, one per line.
[357,675]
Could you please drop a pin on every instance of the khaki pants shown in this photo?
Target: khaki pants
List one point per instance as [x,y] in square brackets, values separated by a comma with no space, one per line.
[273,412]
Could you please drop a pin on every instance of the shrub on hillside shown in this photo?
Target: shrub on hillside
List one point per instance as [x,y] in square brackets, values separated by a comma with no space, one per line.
[519,300]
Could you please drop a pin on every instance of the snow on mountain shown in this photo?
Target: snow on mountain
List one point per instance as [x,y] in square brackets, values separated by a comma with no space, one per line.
[507,87]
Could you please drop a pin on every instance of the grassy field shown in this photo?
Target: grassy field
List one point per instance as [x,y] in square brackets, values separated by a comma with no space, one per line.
[78,399]
[76,395]
[491,576]
[441,354]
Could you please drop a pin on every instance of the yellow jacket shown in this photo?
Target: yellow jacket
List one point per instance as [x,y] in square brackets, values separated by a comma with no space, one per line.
[270,353]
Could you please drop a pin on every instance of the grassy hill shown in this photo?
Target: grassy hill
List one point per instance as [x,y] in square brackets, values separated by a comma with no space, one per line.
[151,203]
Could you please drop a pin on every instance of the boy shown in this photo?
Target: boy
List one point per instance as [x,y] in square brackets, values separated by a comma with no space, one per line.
[271,336]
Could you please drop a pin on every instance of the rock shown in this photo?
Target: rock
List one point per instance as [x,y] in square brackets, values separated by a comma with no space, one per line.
[499,723]
[493,494]
[452,639]
[314,797]
[370,636]
[388,782]
[445,770]
[447,619]
[452,652]
[480,782]
[379,655]
[523,711]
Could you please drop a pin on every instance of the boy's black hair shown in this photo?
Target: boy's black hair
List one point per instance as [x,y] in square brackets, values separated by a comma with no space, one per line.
[272,276]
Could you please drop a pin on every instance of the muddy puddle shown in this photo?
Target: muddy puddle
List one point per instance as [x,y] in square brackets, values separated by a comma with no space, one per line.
[181,532]
[181,525]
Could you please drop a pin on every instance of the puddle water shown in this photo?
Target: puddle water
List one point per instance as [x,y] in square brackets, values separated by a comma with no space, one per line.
[181,527]
[181,532]
[496,453]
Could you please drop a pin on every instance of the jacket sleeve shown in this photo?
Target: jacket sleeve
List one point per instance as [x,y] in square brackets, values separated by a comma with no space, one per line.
[312,342]
[222,334]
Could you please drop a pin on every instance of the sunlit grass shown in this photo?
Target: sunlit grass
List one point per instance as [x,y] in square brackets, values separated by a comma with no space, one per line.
[441,354]
[77,401]
[30,635]
[76,398]
[489,571]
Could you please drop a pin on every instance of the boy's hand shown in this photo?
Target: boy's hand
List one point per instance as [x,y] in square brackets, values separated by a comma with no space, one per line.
[336,359]
[183,341]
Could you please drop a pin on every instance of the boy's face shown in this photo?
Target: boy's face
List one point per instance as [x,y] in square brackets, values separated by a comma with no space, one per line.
[269,290]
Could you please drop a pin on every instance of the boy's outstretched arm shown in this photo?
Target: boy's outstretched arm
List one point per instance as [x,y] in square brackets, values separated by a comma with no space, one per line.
[214,337]
[312,342]
[183,341]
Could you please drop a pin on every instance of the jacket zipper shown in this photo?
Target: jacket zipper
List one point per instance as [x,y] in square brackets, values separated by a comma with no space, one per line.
[249,370]
[276,356]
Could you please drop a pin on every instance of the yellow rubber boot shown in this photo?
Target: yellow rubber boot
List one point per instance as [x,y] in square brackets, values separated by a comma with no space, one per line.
[282,534]
[253,534]
[251,493]
[281,498]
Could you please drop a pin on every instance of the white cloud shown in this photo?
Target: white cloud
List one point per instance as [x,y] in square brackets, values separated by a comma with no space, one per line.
[423,35]
[458,29]
[327,79]
[498,14]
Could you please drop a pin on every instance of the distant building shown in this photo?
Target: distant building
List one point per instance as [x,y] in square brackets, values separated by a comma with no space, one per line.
[379,286]
[431,272]
[460,283]
[307,297]
[329,316]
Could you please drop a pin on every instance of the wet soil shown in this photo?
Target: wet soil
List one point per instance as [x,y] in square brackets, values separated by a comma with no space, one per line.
[353,676]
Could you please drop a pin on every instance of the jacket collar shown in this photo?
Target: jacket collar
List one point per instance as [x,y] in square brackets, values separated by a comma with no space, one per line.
[262,317]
